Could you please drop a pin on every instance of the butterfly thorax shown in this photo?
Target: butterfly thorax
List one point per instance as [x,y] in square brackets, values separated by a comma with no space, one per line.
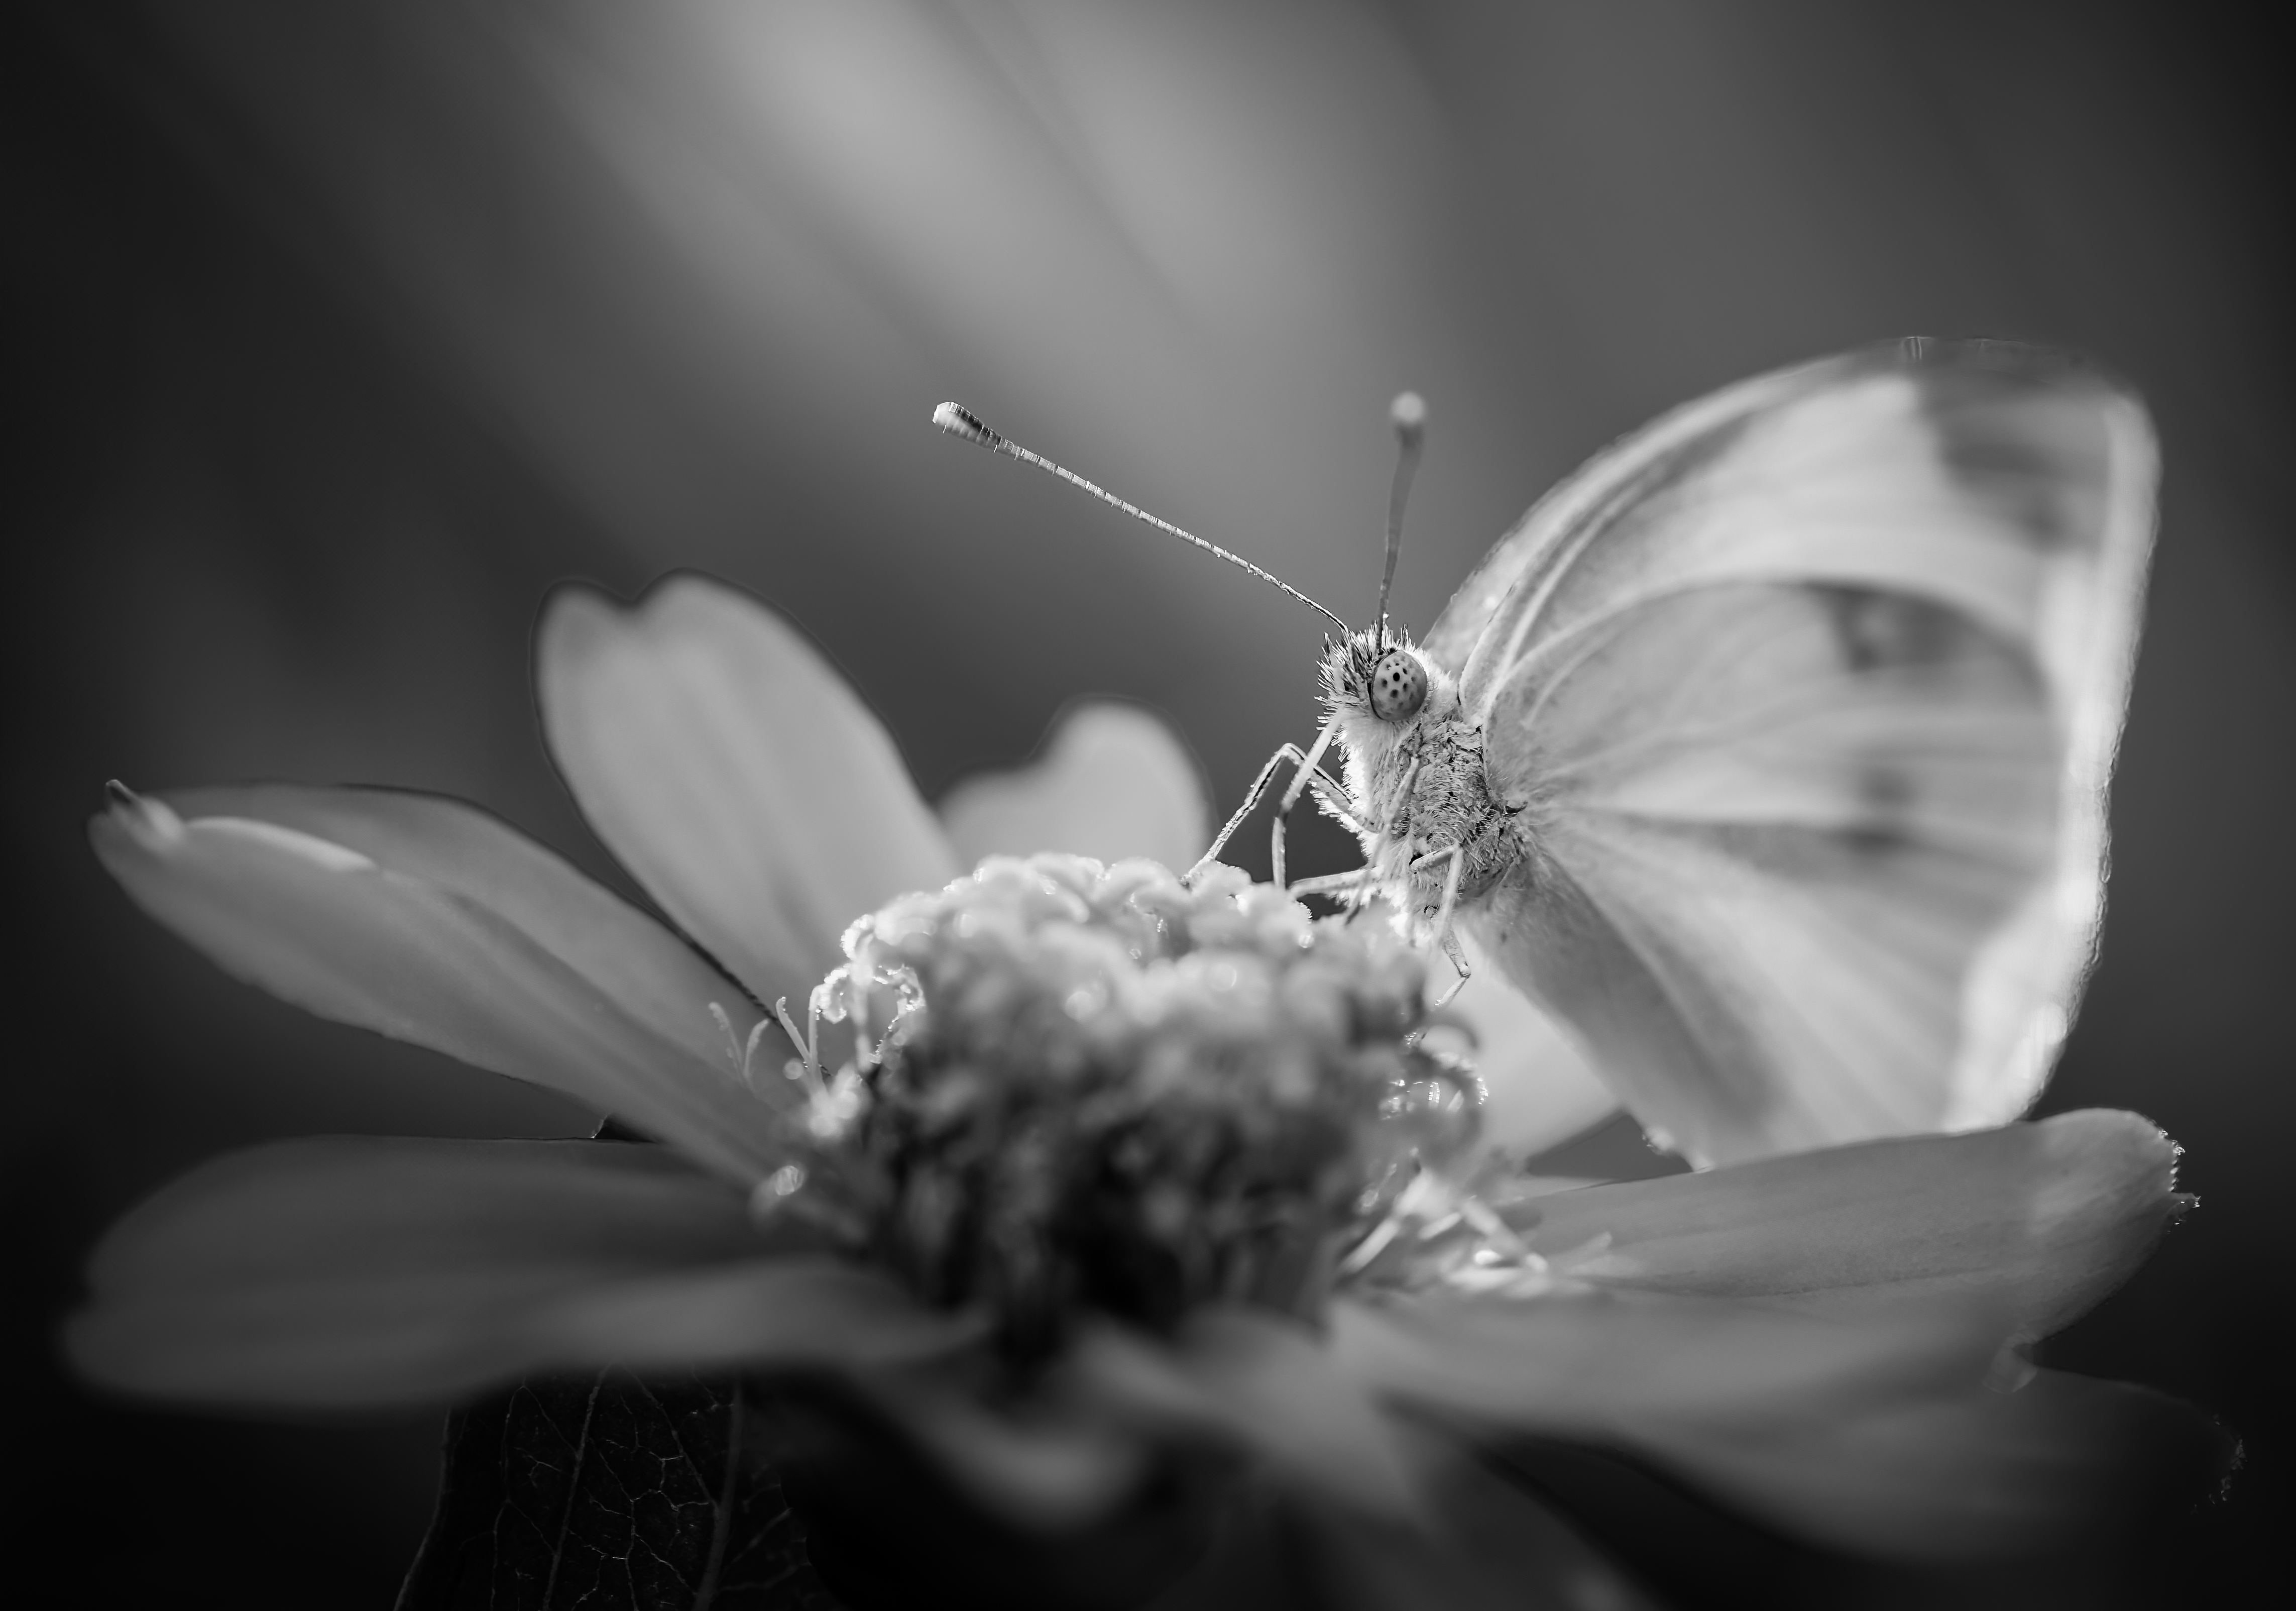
[1417,785]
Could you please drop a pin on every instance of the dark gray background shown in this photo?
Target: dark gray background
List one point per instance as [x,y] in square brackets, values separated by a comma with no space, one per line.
[336,334]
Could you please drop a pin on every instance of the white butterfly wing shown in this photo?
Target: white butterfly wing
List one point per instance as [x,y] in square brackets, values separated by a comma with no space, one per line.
[1812,692]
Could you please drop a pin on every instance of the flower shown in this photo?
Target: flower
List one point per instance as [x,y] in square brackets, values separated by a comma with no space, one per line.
[1062,1162]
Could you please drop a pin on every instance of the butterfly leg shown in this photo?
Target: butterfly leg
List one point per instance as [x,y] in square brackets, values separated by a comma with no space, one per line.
[1334,884]
[1310,775]
[1457,953]
[1251,798]
[1333,798]
[1444,935]
[1328,794]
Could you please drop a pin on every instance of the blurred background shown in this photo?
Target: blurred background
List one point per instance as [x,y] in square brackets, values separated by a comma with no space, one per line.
[336,334]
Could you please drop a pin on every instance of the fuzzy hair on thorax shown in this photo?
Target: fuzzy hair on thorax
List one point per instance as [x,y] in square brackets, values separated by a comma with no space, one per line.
[1448,802]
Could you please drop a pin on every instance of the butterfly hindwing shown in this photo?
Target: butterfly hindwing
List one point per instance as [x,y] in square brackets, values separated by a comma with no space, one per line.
[1810,693]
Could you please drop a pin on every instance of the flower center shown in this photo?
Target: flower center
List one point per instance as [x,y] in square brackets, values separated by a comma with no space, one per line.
[1094,1088]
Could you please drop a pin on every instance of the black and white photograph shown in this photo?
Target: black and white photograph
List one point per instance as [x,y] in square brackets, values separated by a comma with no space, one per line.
[1200,805]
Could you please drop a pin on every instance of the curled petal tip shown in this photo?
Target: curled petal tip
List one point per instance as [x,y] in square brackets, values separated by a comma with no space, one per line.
[151,821]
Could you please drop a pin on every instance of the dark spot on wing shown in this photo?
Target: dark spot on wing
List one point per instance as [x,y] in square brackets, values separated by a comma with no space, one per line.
[1885,799]
[1880,632]
[2027,443]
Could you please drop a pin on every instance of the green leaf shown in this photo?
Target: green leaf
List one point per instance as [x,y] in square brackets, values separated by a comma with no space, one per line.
[609,1492]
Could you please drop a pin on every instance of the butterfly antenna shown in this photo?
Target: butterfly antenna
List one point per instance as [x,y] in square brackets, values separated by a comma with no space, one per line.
[959,420]
[1408,415]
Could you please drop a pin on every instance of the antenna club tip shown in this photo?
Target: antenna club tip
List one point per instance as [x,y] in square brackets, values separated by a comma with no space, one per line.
[958,420]
[1408,413]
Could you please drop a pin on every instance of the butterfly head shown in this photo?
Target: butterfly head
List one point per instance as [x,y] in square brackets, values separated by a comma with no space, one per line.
[1377,675]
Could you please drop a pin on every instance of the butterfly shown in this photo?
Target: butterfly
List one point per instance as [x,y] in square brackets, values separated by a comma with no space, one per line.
[1769,752]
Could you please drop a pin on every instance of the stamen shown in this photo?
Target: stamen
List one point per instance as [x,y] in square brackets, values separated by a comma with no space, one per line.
[741,1053]
[725,1028]
[1053,1058]
[909,1001]
[1371,1246]
[805,1043]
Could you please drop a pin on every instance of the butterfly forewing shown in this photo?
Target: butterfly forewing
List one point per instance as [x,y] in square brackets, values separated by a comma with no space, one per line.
[1810,694]
[1802,808]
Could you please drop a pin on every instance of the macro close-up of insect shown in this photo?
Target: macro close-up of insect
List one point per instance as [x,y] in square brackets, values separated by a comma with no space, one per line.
[1770,750]
[652,988]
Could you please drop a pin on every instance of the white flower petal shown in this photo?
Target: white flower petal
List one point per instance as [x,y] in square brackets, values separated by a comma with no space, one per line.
[1266,1384]
[789,1311]
[1970,1475]
[732,770]
[1628,1365]
[1110,781]
[354,1271]
[428,921]
[1487,1545]
[1879,1435]
[1049,1473]
[2040,1219]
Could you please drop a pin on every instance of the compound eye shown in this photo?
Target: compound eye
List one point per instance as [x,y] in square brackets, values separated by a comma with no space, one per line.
[1399,686]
